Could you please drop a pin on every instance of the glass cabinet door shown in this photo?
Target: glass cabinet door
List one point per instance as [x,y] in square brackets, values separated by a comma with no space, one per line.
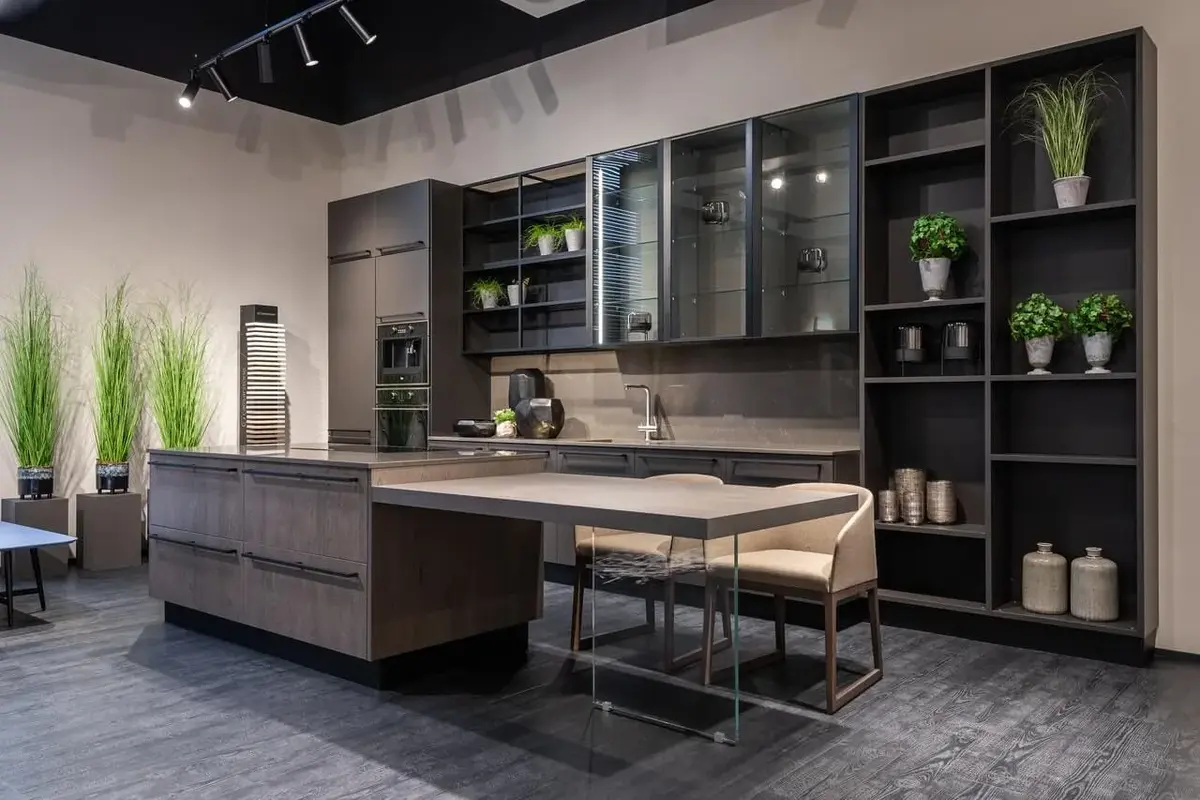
[626,187]
[709,233]
[807,252]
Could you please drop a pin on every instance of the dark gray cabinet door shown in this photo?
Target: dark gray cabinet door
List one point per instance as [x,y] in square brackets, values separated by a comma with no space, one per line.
[351,348]
[649,464]
[402,284]
[763,472]
[596,462]
[352,226]
[402,216]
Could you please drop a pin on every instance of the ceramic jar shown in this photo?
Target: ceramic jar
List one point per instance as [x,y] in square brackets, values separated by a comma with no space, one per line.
[1044,581]
[1097,349]
[1094,587]
[935,275]
[1040,352]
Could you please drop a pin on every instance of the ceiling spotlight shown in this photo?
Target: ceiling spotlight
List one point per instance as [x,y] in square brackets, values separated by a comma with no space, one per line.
[266,74]
[305,53]
[355,25]
[214,72]
[821,177]
[776,183]
[191,90]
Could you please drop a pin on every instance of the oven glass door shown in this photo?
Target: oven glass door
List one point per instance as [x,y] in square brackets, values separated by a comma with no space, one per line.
[401,354]
[401,418]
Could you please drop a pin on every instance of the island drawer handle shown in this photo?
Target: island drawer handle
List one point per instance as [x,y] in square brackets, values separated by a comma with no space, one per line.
[192,467]
[221,551]
[300,476]
[300,566]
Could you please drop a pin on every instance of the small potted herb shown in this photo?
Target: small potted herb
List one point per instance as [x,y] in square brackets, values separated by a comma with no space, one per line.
[573,230]
[1099,319]
[545,236]
[516,291]
[1063,116]
[486,292]
[1039,322]
[936,240]
[506,423]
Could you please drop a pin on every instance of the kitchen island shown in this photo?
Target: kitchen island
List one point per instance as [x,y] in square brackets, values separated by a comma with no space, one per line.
[282,550]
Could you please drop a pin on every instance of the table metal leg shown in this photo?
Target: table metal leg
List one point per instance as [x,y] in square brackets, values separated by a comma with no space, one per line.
[37,576]
[8,585]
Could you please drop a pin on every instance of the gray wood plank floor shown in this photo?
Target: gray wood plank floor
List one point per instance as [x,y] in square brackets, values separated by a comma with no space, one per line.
[99,699]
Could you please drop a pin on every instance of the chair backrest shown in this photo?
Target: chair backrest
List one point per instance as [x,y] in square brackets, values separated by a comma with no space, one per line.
[849,538]
[583,532]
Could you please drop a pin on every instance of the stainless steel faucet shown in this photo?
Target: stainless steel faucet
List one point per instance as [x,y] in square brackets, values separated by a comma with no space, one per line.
[650,426]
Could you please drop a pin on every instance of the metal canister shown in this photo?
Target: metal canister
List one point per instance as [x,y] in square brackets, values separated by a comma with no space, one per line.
[889,506]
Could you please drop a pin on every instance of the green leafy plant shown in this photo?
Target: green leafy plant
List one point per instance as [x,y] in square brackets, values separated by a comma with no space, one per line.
[937,236]
[1062,115]
[1100,313]
[31,361]
[117,412]
[485,287]
[1037,316]
[176,358]
[505,415]
[573,224]
[536,231]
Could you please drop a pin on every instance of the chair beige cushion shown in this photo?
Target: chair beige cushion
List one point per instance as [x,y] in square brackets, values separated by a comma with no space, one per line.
[794,569]
[610,541]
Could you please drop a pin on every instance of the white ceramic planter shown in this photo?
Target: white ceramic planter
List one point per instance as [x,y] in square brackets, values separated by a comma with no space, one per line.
[1039,351]
[546,245]
[574,239]
[1072,192]
[516,294]
[1097,348]
[935,275]
[506,430]
[488,300]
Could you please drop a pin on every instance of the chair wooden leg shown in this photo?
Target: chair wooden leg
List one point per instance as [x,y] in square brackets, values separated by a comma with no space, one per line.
[876,639]
[577,604]
[780,623]
[710,595]
[830,653]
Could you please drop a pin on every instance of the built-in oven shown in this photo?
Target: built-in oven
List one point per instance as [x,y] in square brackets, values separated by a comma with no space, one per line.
[401,417]
[402,351]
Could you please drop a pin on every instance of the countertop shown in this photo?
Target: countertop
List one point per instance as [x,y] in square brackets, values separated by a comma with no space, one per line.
[815,450]
[315,454]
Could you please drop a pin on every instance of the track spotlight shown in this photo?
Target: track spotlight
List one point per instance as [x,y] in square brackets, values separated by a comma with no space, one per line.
[265,72]
[306,54]
[214,72]
[191,90]
[355,25]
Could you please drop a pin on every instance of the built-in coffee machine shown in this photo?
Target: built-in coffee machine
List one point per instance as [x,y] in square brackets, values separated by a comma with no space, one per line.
[402,382]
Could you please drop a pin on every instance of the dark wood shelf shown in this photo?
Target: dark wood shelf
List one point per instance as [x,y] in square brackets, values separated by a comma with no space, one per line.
[516,351]
[562,255]
[499,222]
[962,530]
[1015,611]
[1111,208]
[934,156]
[1042,458]
[558,211]
[1076,377]
[932,601]
[925,305]
[926,379]
[549,305]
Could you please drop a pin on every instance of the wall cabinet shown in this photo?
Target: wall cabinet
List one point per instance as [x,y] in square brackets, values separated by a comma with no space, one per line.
[352,227]
[402,217]
[402,284]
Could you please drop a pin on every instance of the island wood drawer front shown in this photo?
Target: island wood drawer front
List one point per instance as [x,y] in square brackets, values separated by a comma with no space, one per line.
[199,496]
[198,572]
[308,509]
[595,462]
[748,472]
[321,601]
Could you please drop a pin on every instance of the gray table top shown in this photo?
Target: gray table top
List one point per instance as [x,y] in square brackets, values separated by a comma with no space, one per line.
[694,511]
[19,537]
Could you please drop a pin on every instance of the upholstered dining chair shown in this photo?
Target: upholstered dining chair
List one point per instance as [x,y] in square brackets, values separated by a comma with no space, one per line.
[665,558]
[827,560]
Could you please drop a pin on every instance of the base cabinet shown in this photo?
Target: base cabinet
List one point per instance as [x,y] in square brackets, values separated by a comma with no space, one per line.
[196,571]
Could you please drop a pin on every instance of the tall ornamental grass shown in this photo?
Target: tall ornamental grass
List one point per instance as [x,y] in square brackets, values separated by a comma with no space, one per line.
[176,357]
[117,411]
[31,362]
[1063,115]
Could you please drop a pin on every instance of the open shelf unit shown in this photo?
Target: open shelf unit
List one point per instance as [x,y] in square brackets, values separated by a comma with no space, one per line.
[1066,458]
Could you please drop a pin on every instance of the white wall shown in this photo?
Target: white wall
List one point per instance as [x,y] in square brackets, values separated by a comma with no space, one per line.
[740,58]
[101,173]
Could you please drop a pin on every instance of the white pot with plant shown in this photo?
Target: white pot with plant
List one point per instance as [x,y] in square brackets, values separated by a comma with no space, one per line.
[516,291]
[31,363]
[1039,322]
[1063,116]
[177,372]
[486,292]
[506,423]
[573,231]
[117,410]
[936,241]
[545,236]
[1099,319]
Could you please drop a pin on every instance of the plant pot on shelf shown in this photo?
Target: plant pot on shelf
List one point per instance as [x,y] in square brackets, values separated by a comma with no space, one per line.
[35,483]
[1097,348]
[112,477]
[574,237]
[1039,351]
[1072,192]
[516,294]
[935,275]
[488,300]
[545,245]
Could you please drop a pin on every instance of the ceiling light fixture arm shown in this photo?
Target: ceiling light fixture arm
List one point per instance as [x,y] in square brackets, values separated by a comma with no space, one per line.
[292,21]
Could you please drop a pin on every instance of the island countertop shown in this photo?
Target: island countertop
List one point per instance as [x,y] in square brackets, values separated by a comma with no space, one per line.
[318,454]
[816,450]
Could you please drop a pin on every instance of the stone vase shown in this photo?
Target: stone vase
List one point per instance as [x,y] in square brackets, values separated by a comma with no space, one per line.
[1097,348]
[1094,587]
[1072,192]
[935,275]
[1039,351]
[574,238]
[1044,581]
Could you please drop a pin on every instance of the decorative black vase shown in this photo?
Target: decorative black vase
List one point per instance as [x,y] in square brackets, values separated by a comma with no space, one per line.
[539,417]
[35,483]
[112,477]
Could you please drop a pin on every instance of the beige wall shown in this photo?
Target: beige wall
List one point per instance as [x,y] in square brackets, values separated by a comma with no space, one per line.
[103,174]
[738,58]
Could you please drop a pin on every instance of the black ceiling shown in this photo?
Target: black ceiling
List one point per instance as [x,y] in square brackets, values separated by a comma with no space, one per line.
[424,47]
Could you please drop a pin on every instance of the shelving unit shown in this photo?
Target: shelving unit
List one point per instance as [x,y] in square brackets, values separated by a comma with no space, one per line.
[1067,458]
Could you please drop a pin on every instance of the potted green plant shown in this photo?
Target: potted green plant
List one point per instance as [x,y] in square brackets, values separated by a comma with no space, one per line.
[176,382]
[545,236]
[117,409]
[572,231]
[1063,115]
[31,361]
[936,240]
[486,292]
[516,291]
[1039,322]
[1100,320]
[506,423]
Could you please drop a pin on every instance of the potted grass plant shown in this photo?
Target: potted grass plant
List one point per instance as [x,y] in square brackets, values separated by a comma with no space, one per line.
[1100,320]
[572,231]
[117,409]
[545,236]
[31,361]
[1062,116]
[176,359]
[935,241]
[486,292]
[1039,322]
